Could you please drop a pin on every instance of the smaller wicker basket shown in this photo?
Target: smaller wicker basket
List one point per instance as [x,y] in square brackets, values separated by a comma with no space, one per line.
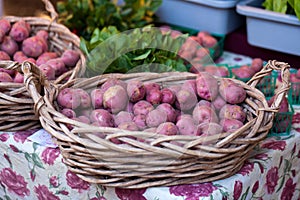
[16,105]
[154,159]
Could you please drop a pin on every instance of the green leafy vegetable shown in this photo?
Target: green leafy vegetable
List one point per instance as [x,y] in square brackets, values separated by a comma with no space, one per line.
[283,6]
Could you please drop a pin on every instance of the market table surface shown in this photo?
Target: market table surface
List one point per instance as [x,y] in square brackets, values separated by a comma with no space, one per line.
[32,168]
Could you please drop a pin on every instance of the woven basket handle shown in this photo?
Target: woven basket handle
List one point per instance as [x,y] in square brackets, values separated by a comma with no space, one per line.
[285,85]
[50,8]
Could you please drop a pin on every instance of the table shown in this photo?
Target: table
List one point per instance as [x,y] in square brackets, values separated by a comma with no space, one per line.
[34,170]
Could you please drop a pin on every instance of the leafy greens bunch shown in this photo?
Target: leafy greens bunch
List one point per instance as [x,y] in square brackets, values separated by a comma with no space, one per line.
[283,6]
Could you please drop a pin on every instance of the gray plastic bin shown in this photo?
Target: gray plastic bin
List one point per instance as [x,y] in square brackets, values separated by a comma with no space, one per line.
[270,30]
[214,16]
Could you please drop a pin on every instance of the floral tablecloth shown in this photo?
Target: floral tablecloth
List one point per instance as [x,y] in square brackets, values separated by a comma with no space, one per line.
[31,170]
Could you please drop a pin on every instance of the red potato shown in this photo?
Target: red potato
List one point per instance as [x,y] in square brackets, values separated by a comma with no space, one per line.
[129,107]
[167,96]
[123,116]
[175,88]
[208,129]
[219,71]
[97,98]
[150,86]
[169,110]
[218,103]
[257,64]
[140,121]
[19,78]
[48,71]
[155,117]
[187,55]
[230,125]
[42,34]
[130,126]
[112,82]
[204,102]
[232,92]
[4,56]
[185,99]
[44,57]
[189,85]
[68,113]
[115,98]
[84,119]
[5,77]
[186,125]
[136,90]
[20,31]
[142,107]
[5,25]
[230,111]
[18,55]
[202,53]
[85,98]
[32,60]
[207,86]
[9,45]
[284,105]
[70,57]
[34,46]
[167,128]
[196,68]
[202,113]
[209,41]
[2,35]
[58,65]
[68,98]
[243,72]
[154,96]
[10,72]
[102,117]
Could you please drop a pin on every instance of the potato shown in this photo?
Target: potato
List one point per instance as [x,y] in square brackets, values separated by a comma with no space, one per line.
[58,65]
[4,56]
[202,53]
[102,117]
[83,119]
[97,98]
[284,105]
[115,98]
[150,86]
[186,125]
[169,110]
[42,34]
[68,113]
[123,116]
[167,128]
[218,103]
[44,57]
[112,82]
[208,129]
[48,71]
[230,125]
[130,126]
[136,90]
[243,72]
[281,124]
[5,77]
[19,56]
[85,99]
[5,25]
[230,111]
[70,57]
[19,78]
[257,64]
[207,86]
[219,71]
[167,96]
[203,113]
[9,45]
[189,85]
[19,31]
[34,46]
[2,35]
[232,92]
[155,117]
[154,96]
[68,98]
[185,99]
[140,121]
[142,107]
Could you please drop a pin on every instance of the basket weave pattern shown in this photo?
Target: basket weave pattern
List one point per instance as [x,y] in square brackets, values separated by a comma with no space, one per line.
[16,105]
[148,159]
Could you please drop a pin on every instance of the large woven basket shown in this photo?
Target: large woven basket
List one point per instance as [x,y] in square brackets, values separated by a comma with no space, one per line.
[16,106]
[153,159]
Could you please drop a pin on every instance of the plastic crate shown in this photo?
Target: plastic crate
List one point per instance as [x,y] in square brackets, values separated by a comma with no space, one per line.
[267,85]
[282,124]
[294,92]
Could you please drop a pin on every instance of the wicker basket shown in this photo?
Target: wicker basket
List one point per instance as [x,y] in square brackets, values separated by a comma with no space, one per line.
[16,106]
[152,159]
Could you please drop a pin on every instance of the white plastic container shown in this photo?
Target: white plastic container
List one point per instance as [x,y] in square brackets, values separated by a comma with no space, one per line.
[214,16]
[270,30]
